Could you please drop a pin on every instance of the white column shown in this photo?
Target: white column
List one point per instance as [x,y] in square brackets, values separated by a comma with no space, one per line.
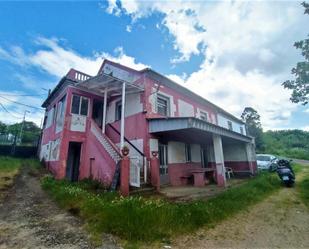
[219,159]
[104,111]
[250,156]
[123,101]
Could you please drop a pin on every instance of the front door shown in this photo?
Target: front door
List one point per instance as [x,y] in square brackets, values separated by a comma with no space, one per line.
[72,170]
[97,112]
[164,179]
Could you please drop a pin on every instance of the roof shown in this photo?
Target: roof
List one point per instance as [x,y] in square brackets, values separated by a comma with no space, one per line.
[175,86]
[171,124]
[71,78]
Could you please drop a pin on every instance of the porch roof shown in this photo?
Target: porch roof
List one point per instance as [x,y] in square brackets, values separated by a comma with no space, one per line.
[105,82]
[184,125]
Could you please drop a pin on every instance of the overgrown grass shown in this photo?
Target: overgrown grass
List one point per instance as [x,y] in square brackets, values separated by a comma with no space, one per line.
[9,168]
[140,219]
[303,186]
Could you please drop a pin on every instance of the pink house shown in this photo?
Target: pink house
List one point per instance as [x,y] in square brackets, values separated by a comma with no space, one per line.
[88,119]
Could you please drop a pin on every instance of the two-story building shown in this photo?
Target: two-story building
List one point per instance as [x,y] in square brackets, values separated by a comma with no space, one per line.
[88,119]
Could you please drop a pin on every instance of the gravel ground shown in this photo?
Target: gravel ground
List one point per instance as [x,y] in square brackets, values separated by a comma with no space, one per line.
[29,219]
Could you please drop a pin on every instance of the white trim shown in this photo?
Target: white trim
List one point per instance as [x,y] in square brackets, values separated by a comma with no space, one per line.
[123,98]
[104,111]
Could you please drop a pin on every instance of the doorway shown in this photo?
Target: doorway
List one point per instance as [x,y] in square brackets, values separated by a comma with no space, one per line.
[73,162]
[164,179]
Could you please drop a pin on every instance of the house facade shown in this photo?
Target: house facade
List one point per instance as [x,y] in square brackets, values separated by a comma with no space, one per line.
[90,118]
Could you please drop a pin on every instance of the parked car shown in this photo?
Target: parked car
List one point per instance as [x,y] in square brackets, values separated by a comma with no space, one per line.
[266,162]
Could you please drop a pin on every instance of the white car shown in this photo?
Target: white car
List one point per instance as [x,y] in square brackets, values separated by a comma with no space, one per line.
[266,162]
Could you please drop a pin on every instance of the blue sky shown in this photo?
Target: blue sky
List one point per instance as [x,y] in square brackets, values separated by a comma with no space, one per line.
[235,54]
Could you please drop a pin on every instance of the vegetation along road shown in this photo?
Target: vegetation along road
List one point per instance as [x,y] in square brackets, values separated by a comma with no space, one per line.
[280,221]
[29,218]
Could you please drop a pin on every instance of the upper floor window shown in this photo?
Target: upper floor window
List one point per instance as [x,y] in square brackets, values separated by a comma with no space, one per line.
[118,110]
[163,105]
[188,152]
[230,126]
[50,117]
[79,105]
[203,116]
[241,130]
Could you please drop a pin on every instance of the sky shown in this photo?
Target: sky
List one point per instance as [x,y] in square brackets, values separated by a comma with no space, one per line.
[233,53]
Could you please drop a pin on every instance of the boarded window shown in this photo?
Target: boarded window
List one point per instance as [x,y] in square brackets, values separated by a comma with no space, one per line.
[163,107]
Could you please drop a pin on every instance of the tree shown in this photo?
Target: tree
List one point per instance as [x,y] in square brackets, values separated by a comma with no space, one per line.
[252,119]
[300,85]
[30,134]
[2,127]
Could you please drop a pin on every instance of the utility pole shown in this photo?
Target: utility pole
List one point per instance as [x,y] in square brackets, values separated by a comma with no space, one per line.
[22,127]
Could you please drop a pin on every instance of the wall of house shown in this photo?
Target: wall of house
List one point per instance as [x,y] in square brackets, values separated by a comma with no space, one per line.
[180,105]
[223,122]
[236,157]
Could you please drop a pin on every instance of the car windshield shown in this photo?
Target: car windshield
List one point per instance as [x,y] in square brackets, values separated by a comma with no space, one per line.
[263,158]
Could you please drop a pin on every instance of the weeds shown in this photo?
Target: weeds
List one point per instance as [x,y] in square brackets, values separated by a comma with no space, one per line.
[141,219]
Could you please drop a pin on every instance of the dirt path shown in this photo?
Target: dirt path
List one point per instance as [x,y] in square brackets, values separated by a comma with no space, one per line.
[29,219]
[281,221]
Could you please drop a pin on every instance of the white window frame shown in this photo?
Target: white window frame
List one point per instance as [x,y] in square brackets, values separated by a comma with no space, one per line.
[168,104]
[80,105]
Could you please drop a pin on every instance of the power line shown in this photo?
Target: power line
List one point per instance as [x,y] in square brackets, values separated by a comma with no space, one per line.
[9,112]
[23,95]
[16,102]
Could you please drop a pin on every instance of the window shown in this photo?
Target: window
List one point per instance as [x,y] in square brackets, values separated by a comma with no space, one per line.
[118,110]
[50,117]
[79,105]
[163,107]
[203,116]
[188,152]
[60,114]
[230,126]
[242,130]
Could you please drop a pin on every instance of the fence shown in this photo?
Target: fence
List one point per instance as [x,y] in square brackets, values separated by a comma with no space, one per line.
[11,145]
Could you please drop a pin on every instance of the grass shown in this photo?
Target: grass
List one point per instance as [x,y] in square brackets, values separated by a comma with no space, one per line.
[9,168]
[140,219]
[303,186]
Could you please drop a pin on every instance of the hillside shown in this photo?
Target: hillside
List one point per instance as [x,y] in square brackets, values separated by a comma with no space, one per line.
[290,143]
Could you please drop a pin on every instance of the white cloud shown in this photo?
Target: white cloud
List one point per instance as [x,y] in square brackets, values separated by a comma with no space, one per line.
[306,111]
[57,60]
[11,112]
[247,49]
[305,128]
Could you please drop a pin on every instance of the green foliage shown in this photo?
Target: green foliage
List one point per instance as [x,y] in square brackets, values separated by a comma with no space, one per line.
[252,119]
[31,131]
[2,127]
[304,191]
[8,164]
[300,85]
[289,143]
[141,219]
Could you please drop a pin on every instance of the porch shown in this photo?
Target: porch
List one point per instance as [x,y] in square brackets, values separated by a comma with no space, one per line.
[189,192]
[195,152]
